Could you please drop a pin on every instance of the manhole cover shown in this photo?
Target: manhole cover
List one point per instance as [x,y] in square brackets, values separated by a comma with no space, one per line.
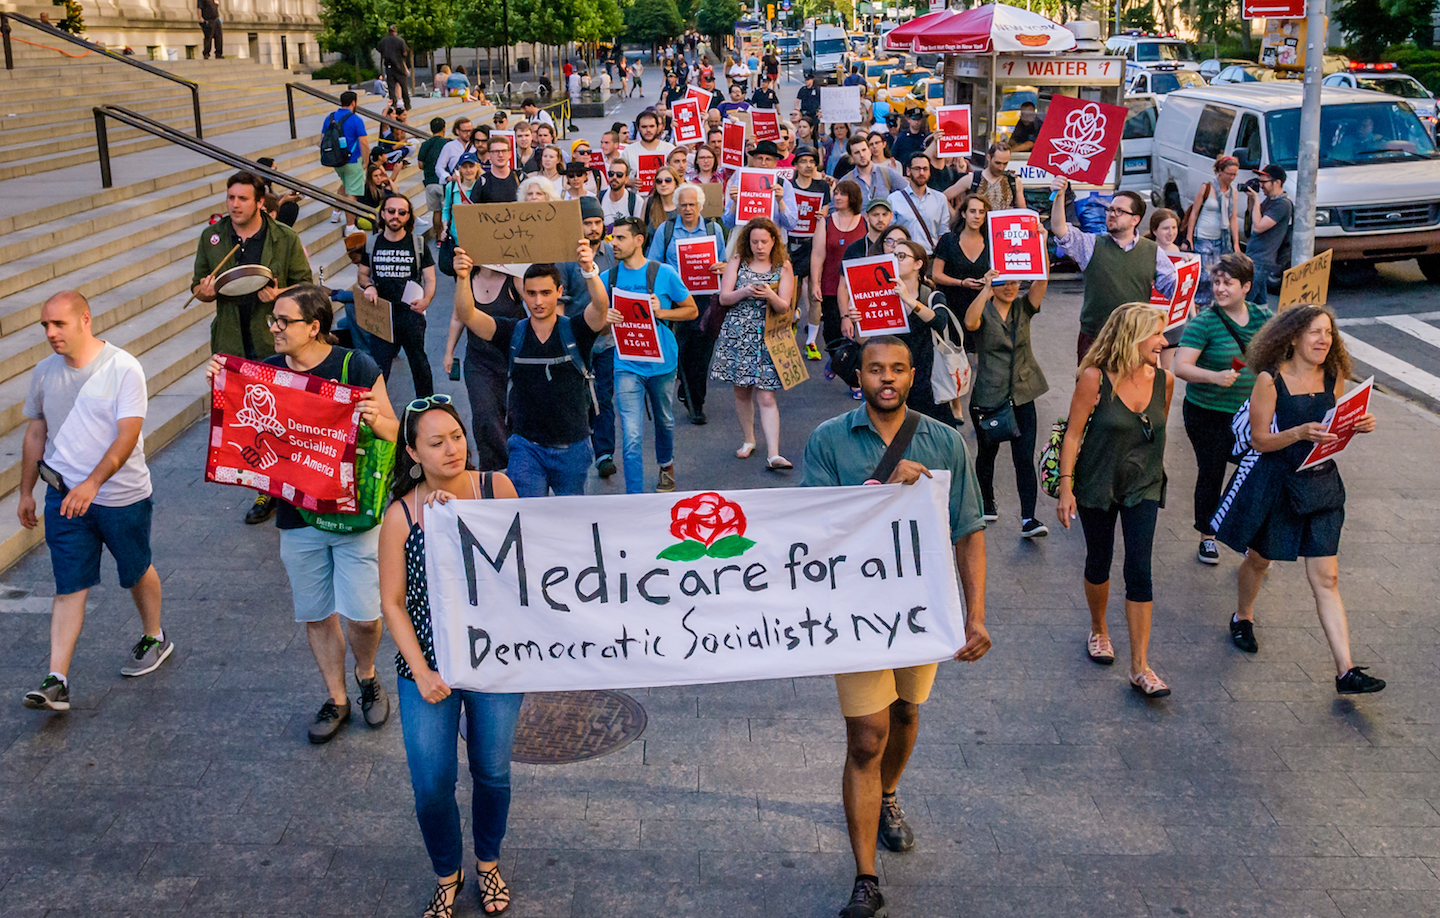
[560,727]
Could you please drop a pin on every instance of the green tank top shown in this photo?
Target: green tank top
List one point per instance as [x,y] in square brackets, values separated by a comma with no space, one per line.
[1118,465]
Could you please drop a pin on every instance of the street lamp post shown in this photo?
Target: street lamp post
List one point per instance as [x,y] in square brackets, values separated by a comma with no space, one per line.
[1307,165]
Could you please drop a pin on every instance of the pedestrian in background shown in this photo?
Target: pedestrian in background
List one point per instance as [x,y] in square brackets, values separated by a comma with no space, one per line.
[1271,218]
[395,57]
[1212,224]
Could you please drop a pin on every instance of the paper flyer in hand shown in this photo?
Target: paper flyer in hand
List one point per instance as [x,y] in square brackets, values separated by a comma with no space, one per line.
[1341,421]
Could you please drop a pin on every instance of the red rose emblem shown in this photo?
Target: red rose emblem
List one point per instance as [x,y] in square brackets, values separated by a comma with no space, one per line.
[706,524]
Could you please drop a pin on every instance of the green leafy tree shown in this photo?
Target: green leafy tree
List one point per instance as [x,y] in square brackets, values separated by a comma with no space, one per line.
[350,28]
[716,19]
[74,21]
[1373,25]
[653,22]
[480,24]
[424,24]
[598,20]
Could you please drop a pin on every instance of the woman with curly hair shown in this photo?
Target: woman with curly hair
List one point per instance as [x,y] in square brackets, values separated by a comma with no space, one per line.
[1274,512]
[1114,451]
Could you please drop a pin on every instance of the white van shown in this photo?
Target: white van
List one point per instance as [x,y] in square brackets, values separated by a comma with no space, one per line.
[1378,190]
[822,49]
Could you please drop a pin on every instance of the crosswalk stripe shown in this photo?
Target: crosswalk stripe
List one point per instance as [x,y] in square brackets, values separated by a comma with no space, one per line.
[1376,320]
[1394,367]
[1411,325]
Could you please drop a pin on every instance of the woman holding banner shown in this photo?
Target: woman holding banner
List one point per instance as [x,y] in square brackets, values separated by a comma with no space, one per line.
[1272,510]
[1112,466]
[433,469]
[757,281]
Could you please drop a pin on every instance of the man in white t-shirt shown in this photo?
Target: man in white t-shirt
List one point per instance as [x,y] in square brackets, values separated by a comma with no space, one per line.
[621,200]
[649,145]
[86,407]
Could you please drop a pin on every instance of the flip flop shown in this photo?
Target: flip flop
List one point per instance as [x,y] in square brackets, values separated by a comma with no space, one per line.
[745,451]
[778,464]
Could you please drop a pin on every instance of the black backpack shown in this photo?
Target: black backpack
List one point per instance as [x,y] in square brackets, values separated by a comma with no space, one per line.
[333,152]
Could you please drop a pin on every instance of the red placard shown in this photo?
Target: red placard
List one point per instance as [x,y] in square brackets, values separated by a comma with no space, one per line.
[766,122]
[1272,9]
[732,149]
[597,160]
[954,122]
[700,96]
[1079,139]
[696,256]
[284,433]
[757,195]
[689,123]
[636,336]
[511,136]
[1017,250]
[1187,279]
[650,163]
[807,213]
[872,288]
[1341,421]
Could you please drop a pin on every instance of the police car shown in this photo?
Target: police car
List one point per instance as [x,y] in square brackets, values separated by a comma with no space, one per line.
[1388,79]
[1158,79]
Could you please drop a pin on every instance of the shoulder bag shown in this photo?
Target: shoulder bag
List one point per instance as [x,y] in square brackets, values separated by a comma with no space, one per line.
[896,450]
[374,471]
[998,424]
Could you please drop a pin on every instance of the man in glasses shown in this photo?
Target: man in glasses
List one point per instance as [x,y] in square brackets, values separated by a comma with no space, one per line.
[1120,266]
[463,130]
[621,200]
[397,267]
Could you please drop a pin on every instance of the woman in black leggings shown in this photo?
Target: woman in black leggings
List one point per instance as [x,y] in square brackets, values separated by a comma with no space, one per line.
[1115,468]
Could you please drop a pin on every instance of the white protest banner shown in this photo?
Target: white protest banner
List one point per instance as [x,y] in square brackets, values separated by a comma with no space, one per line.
[840,103]
[606,591]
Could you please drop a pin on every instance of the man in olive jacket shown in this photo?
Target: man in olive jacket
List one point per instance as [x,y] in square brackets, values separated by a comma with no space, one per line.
[239,326]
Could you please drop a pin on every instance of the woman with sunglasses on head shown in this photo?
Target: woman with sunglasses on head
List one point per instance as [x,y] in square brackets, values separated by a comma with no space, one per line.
[433,468]
[332,575]
[1272,511]
[1112,465]
[661,205]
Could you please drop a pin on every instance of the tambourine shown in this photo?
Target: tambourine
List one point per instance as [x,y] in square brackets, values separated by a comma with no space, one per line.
[242,280]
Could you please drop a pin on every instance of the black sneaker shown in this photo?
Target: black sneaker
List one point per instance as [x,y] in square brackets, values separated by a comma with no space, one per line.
[606,467]
[697,417]
[895,832]
[1355,682]
[865,900]
[52,695]
[992,513]
[1033,529]
[328,722]
[1242,634]
[1208,552]
[261,510]
[374,701]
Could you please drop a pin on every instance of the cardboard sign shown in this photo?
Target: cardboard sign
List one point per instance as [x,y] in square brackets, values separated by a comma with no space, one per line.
[1017,250]
[511,136]
[784,351]
[1341,421]
[840,103]
[1079,139]
[954,122]
[636,337]
[1178,307]
[1308,283]
[288,434]
[714,201]
[872,288]
[650,163]
[766,122]
[807,213]
[695,257]
[732,149]
[689,122]
[757,195]
[529,232]
[373,317]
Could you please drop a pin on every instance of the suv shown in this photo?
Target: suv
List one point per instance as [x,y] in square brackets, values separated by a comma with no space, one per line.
[1387,79]
[1160,79]
[1378,187]
[1143,51]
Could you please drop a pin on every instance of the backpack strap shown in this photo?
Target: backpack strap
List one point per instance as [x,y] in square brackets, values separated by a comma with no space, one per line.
[896,450]
[652,271]
[487,485]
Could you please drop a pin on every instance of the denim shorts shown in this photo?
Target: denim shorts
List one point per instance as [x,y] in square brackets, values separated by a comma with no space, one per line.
[333,572]
[75,543]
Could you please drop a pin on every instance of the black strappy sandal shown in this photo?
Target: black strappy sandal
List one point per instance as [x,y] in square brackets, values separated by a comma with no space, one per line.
[493,891]
[438,908]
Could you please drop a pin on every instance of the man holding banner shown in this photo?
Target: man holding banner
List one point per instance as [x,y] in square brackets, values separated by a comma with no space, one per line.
[763,157]
[882,441]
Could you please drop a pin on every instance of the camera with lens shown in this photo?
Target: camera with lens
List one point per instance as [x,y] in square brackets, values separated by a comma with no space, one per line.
[1252,185]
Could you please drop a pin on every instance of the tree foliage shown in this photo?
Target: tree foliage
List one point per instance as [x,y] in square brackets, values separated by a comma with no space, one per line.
[597,20]
[716,19]
[1373,25]
[349,27]
[654,22]
[479,24]
[424,24]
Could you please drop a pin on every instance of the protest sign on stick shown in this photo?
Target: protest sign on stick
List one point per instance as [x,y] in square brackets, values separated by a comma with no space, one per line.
[1079,139]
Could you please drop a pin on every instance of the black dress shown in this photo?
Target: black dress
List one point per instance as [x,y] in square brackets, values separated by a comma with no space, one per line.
[957,265]
[486,371]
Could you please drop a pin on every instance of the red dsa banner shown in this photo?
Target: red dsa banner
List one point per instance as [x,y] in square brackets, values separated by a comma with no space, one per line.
[689,123]
[757,195]
[650,163]
[872,287]
[766,122]
[807,213]
[732,150]
[510,135]
[1187,279]
[284,433]
[636,337]
[1079,139]
[1017,250]
[954,122]
[696,257]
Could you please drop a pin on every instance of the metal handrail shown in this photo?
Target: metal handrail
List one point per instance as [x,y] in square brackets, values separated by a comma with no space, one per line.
[53,32]
[335,100]
[166,132]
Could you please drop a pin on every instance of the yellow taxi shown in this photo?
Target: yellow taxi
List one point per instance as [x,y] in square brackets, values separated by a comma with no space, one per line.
[928,94]
[875,68]
[1011,98]
[896,84]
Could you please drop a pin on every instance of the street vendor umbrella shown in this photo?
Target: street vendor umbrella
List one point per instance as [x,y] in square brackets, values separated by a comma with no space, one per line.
[994,27]
[900,37]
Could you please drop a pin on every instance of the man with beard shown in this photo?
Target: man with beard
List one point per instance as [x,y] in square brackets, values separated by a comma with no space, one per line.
[393,258]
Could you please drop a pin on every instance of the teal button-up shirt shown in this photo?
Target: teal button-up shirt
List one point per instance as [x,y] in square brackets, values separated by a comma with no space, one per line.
[846,449]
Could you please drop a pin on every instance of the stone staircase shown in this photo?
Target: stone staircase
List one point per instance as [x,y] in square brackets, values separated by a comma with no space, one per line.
[130,249]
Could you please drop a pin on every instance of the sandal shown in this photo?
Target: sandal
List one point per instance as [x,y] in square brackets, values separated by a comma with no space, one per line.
[438,907]
[745,451]
[1100,649]
[493,891]
[1149,684]
[778,464]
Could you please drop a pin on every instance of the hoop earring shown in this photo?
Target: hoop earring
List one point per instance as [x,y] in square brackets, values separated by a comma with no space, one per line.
[416,472]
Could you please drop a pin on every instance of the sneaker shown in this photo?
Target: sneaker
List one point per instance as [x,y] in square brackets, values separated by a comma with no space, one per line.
[865,900]
[697,417]
[857,395]
[992,513]
[667,478]
[606,467]
[1354,682]
[812,351]
[1209,553]
[261,510]
[328,722]
[1033,529]
[374,702]
[895,832]
[148,654]
[336,216]
[1242,635]
[54,695]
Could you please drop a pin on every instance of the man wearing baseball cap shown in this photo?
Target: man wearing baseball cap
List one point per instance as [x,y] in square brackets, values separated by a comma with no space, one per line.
[807,97]
[807,217]
[764,156]
[1271,217]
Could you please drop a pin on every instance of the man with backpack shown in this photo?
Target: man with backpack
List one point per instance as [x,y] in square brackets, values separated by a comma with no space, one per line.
[621,200]
[549,401]
[396,259]
[345,148]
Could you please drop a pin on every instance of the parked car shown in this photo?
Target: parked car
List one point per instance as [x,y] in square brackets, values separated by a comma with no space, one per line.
[1209,69]
[927,94]
[896,83]
[1387,79]
[1161,81]
[1137,144]
[1250,73]
[788,47]
[874,70]
[1145,49]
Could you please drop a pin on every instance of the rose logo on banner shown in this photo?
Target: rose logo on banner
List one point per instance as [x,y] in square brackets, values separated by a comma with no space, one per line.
[1084,133]
[1079,139]
[708,525]
[259,412]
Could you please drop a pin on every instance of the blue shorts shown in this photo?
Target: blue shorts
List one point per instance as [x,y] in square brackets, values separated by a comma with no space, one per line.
[75,543]
[333,572]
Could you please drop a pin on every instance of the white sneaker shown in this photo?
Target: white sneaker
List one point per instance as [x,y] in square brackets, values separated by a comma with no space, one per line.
[335,216]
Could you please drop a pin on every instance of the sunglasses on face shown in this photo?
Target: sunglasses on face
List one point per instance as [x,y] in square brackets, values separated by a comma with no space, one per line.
[397,213]
[617,174]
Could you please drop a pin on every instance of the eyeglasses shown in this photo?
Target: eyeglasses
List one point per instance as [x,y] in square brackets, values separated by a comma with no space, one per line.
[426,403]
[1147,429]
[1117,211]
[282,322]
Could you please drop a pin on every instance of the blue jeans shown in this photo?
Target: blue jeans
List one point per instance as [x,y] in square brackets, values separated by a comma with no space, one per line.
[602,431]
[630,394]
[430,731]
[537,470]
[1259,287]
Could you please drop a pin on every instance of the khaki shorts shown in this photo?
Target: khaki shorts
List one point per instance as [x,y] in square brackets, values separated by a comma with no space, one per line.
[862,694]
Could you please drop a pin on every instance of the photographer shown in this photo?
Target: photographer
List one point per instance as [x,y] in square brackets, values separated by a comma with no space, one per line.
[1271,218]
